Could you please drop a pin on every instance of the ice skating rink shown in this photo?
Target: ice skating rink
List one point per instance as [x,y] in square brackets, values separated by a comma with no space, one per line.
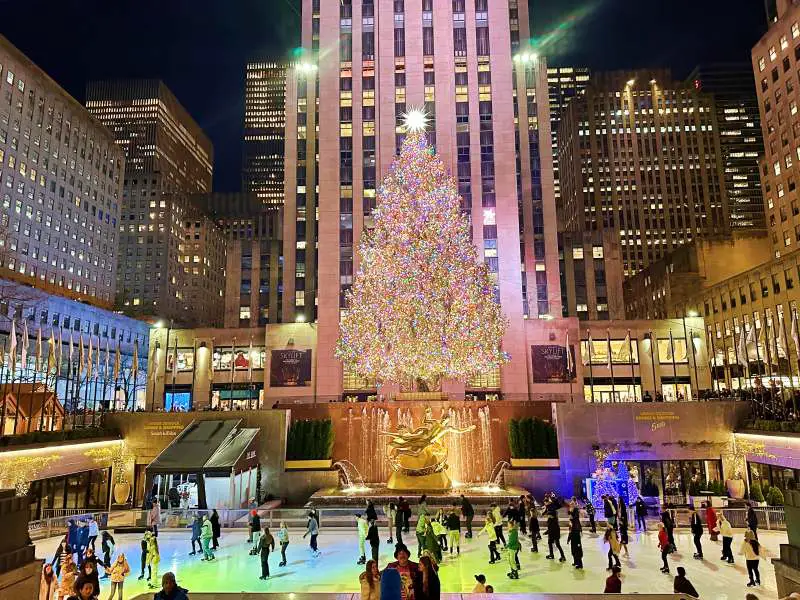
[335,570]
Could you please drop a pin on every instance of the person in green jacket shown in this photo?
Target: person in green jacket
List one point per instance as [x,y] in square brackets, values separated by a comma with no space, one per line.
[432,542]
[153,558]
[514,547]
[206,535]
[422,525]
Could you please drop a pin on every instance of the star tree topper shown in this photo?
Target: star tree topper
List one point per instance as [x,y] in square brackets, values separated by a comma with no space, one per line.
[422,306]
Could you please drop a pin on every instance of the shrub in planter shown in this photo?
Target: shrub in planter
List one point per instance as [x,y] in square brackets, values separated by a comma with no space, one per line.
[310,440]
[775,497]
[649,489]
[756,495]
[532,438]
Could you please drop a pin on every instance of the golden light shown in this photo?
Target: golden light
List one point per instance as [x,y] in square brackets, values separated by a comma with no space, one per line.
[631,82]
[415,120]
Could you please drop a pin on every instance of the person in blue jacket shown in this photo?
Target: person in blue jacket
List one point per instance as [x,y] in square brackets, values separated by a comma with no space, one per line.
[197,527]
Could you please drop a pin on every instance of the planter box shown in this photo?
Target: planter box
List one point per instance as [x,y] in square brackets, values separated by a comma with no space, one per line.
[535,463]
[716,501]
[308,465]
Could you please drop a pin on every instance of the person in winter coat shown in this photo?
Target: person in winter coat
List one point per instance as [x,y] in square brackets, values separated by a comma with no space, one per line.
[405,509]
[554,538]
[107,546]
[665,546]
[118,572]
[69,575]
[468,512]
[94,532]
[84,591]
[391,515]
[623,528]
[283,540]
[533,526]
[206,539]
[215,528]
[371,513]
[614,582]
[681,585]
[362,526]
[399,524]
[491,533]
[753,552]
[669,526]
[197,528]
[370,581]
[611,539]
[432,545]
[726,531]
[711,523]
[454,531]
[609,511]
[422,525]
[399,577]
[48,584]
[312,530]
[170,589]
[590,514]
[439,530]
[254,528]
[266,544]
[696,525]
[153,559]
[426,585]
[575,546]
[73,539]
[58,558]
[374,539]
[513,550]
[498,523]
[752,520]
[88,574]
[154,517]
[83,540]
[144,545]
[422,506]
[641,513]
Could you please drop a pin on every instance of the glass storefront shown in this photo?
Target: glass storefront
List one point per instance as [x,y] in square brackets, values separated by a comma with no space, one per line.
[673,480]
[771,475]
[87,490]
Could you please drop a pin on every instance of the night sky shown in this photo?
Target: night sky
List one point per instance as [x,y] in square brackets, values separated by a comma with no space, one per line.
[199,47]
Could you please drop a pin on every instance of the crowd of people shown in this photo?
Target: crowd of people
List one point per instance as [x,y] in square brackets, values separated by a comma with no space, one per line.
[75,570]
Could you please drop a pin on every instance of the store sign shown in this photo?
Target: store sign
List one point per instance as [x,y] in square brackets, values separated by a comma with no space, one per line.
[290,368]
[163,428]
[657,418]
[550,364]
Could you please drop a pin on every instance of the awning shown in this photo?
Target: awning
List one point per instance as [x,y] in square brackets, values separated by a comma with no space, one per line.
[215,447]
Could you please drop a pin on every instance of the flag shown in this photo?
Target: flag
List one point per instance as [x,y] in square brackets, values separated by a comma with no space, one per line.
[38,361]
[59,350]
[71,354]
[108,360]
[24,358]
[117,362]
[795,335]
[12,348]
[51,353]
[741,352]
[135,361]
[780,340]
[624,354]
[89,360]
[81,358]
[97,359]
[589,348]
[569,356]
[175,359]
[608,344]
[250,360]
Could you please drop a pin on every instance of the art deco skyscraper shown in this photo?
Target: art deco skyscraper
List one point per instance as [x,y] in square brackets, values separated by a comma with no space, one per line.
[168,157]
[366,63]
[565,83]
[264,128]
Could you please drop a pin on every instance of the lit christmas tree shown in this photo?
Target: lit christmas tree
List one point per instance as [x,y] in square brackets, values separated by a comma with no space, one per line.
[422,306]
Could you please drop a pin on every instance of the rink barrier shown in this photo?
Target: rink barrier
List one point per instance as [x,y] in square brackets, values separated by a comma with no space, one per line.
[773,518]
[444,596]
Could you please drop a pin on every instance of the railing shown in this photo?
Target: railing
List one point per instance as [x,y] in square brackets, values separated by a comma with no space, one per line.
[768,518]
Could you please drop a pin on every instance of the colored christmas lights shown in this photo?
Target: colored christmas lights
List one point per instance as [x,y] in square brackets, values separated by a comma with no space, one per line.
[422,305]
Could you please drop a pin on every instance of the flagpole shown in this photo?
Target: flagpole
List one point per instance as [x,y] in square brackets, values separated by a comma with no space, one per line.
[758,354]
[250,376]
[788,354]
[797,352]
[633,373]
[233,359]
[569,370]
[738,362]
[768,352]
[653,361]
[591,372]
[611,366]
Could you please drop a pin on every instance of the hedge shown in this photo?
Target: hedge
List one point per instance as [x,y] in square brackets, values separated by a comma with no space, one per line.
[310,439]
[532,438]
[44,437]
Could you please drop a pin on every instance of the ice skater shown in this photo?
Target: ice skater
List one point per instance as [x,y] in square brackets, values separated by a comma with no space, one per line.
[206,537]
[726,531]
[575,546]
[554,537]
[611,539]
[363,526]
[144,545]
[497,514]
[513,549]
[266,544]
[468,512]
[312,531]
[665,546]
[153,559]
[391,515]
[454,531]
[374,539]
[590,514]
[491,532]
[696,525]
[283,539]
[197,527]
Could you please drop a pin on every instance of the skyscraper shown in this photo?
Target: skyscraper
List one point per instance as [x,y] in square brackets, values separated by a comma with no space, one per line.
[776,58]
[739,135]
[168,157]
[564,83]
[640,155]
[460,62]
[62,178]
[264,128]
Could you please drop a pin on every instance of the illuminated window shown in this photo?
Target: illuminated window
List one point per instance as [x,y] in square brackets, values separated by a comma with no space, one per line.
[577,253]
[772,53]
[784,43]
[597,251]
[244,313]
[762,64]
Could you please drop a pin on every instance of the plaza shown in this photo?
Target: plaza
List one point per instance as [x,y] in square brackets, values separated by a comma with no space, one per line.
[335,570]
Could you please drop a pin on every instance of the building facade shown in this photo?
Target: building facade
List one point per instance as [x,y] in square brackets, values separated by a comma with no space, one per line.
[254,269]
[740,138]
[264,128]
[640,155]
[591,275]
[464,64]
[564,83]
[167,156]
[775,59]
[62,177]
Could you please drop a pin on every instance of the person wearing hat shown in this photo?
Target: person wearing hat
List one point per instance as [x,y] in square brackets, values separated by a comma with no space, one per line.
[480,586]
[407,569]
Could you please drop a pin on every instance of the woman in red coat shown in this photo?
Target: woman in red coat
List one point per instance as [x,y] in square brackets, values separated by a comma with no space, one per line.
[664,546]
[711,522]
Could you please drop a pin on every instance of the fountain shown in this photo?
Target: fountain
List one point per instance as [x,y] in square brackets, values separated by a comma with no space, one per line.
[498,474]
[349,477]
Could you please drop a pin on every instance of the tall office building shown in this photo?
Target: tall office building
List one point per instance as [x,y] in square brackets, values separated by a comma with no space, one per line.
[776,58]
[463,62]
[264,128]
[640,155]
[62,184]
[167,157]
[739,135]
[564,83]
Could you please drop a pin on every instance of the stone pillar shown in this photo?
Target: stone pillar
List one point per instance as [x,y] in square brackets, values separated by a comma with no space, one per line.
[20,571]
[787,567]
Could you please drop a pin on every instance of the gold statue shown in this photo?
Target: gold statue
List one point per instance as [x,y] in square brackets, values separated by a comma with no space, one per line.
[418,457]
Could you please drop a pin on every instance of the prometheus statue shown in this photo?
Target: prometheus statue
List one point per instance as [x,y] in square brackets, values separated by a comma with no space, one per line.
[418,456]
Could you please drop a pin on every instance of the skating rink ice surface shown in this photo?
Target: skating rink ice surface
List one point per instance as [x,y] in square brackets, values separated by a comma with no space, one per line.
[335,570]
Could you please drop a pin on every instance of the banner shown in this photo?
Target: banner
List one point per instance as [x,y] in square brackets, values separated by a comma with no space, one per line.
[550,364]
[290,368]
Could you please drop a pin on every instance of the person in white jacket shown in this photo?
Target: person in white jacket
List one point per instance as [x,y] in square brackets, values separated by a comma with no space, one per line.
[363,527]
[726,531]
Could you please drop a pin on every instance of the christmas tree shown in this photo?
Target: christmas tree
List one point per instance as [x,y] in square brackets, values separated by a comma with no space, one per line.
[422,306]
